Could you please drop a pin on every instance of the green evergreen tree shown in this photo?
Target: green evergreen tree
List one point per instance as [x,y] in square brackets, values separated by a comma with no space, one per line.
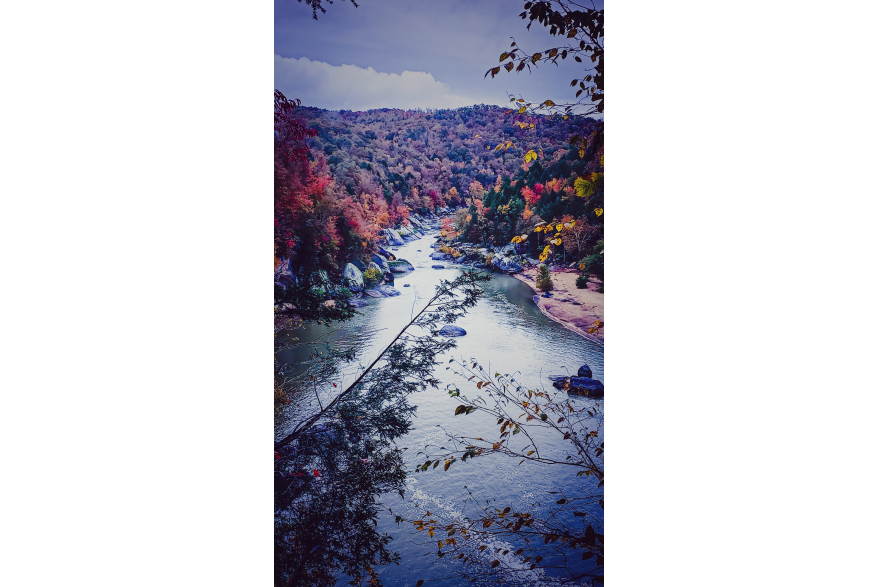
[543,279]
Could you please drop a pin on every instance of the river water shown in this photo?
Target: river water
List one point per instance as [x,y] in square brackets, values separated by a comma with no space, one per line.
[505,331]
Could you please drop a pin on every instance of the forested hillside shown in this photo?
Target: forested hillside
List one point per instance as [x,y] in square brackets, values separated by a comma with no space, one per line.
[371,170]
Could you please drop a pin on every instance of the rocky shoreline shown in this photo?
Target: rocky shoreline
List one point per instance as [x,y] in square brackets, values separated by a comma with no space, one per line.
[374,280]
[574,309]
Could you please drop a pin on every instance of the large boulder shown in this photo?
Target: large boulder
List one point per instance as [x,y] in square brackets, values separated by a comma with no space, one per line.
[388,290]
[284,276]
[400,266]
[356,303]
[359,264]
[451,330]
[373,293]
[585,371]
[282,268]
[376,267]
[505,264]
[585,386]
[439,256]
[381,262]
[387,254]
[393,237]
[353,278]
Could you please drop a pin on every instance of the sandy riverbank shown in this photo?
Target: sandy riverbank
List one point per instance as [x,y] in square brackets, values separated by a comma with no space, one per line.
[574,308]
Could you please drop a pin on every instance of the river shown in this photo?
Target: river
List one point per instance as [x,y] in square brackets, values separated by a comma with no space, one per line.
[505,331]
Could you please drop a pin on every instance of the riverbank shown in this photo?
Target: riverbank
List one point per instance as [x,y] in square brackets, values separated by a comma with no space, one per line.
[573,308]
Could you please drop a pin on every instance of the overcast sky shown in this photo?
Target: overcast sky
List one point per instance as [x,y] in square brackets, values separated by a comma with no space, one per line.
[409,54]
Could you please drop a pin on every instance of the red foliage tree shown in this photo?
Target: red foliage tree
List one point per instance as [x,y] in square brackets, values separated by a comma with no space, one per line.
[289,132]
[530,196]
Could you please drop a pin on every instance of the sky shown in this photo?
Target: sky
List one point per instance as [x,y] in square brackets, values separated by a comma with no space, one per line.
[410,54]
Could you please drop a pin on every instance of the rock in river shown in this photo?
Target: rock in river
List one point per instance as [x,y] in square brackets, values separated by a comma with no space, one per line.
[393,237]
[387,254]
[451,330]
[585,386]
[400,266]
[388,290]
[585,371]
[357,303]
[381,262]
[438,266]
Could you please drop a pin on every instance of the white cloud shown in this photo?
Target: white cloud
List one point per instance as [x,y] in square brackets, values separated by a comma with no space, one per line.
[349,87]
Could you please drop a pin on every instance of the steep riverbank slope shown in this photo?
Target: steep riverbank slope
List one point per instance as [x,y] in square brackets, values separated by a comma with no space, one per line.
[576,309]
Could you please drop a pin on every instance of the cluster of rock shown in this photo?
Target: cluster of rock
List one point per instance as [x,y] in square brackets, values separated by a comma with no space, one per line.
[503,259]
[383,263]
[583,384]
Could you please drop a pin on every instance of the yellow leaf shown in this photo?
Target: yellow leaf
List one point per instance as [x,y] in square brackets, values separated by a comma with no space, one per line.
[581,152]
[522,109]
[598,211]
[549,102]
[431,533]
[440,543]
[477,136]
[559,227]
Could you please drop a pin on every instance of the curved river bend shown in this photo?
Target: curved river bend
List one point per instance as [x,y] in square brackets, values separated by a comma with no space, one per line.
[506,331]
